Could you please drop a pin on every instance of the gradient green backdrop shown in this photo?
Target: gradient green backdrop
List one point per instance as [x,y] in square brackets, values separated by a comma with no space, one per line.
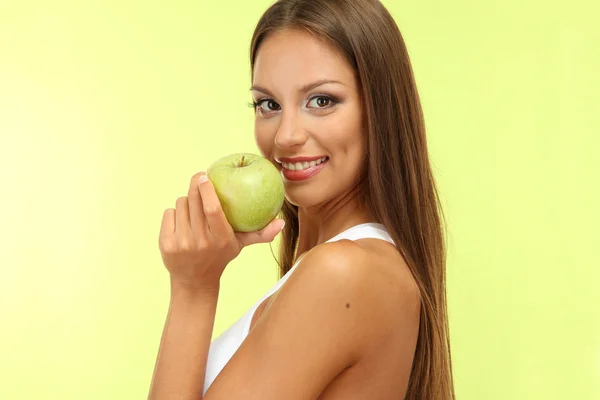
[108,108]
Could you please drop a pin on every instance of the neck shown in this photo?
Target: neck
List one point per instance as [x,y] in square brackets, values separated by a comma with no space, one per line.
[319,223]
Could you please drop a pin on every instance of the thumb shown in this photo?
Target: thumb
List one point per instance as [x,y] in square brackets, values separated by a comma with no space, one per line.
[265,235]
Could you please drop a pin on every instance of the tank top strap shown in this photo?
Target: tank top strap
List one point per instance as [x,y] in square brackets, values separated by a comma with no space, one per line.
[369,230]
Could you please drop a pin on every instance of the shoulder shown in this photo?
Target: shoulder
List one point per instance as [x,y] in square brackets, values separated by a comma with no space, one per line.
[342,258]
[370,266]
[354,286]
[338,304]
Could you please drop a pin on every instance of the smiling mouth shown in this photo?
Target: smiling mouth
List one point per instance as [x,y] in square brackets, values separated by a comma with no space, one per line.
[301,166]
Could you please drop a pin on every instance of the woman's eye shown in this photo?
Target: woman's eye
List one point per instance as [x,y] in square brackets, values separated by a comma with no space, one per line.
[320,102]
[268,105]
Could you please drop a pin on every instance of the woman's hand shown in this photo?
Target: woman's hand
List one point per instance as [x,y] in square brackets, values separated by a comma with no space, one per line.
[196,240]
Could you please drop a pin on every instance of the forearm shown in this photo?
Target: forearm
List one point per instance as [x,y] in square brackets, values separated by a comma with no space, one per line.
[183,353]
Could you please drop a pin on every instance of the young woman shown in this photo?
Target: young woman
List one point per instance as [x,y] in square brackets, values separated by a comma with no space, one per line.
[360,309]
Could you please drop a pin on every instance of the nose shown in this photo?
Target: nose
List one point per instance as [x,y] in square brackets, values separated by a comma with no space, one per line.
[290,133]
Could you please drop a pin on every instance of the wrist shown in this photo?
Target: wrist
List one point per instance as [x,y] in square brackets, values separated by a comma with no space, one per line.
[185,288]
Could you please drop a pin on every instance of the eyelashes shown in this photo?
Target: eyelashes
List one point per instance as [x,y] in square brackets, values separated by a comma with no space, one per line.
[256,104]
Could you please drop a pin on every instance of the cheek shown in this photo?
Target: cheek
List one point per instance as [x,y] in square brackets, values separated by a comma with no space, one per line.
[263,137]
[346,133]
[351,138]
[355,130]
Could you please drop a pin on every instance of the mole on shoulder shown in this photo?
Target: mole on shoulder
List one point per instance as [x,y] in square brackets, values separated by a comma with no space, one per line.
[347,305]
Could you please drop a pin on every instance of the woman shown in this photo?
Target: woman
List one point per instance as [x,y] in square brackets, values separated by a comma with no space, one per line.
[360,309]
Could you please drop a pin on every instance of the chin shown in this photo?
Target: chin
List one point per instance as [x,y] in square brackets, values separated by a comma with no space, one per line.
[304,198]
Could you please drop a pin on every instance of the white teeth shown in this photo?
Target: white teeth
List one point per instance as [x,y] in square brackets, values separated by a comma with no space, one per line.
[301,166]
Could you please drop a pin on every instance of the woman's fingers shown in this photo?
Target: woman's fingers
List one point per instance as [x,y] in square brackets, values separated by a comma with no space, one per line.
[218,226]
[265,235]
[197,218]
[196,240]
[182,220]
[167,227]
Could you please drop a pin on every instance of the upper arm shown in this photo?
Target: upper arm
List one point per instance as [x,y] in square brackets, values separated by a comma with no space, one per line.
[314,328]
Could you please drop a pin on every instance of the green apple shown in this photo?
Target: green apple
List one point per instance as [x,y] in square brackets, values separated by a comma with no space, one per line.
[249,188]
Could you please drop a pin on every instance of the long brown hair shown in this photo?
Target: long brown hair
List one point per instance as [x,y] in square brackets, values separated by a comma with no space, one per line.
[400,188]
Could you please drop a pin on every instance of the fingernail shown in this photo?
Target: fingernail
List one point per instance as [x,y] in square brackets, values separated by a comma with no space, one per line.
[203,178]
[282,226]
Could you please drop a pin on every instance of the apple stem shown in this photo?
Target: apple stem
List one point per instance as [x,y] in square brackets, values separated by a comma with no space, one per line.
[242,162]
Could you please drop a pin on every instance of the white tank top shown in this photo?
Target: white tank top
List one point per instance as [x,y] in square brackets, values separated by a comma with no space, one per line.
[225,345]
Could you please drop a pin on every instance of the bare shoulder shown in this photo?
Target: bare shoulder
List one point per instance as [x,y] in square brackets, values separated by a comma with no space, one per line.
[368,277]
[373,264]
[329,315]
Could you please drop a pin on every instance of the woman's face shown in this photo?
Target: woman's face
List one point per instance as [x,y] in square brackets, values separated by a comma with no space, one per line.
[308,105]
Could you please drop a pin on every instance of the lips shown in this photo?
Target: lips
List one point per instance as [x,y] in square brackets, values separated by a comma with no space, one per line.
[294,160]
[300,175]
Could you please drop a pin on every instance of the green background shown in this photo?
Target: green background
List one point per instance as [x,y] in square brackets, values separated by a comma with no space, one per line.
[108,108]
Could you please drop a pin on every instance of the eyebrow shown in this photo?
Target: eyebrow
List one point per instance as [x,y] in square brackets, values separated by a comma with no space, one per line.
[303,89]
